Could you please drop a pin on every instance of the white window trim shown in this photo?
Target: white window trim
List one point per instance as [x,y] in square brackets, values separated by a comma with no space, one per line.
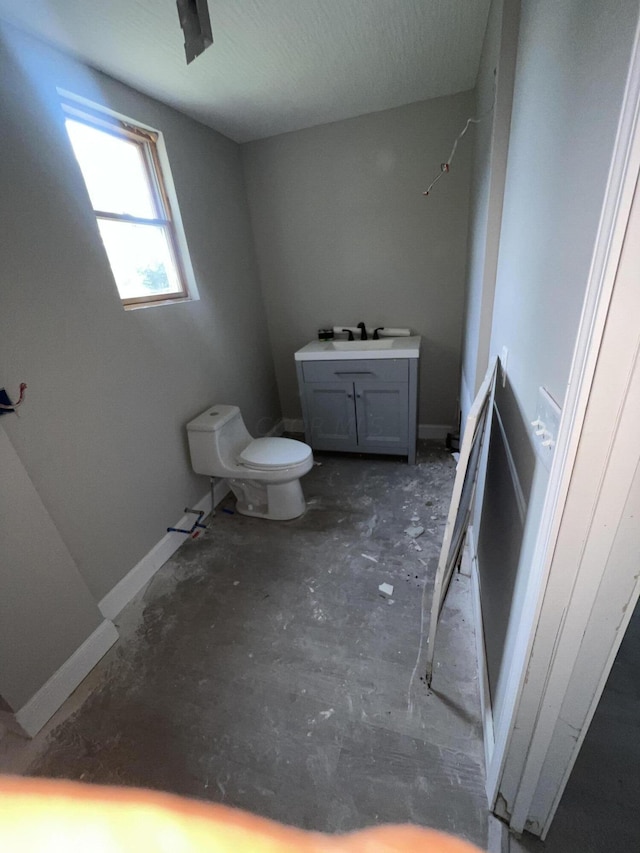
[71,102]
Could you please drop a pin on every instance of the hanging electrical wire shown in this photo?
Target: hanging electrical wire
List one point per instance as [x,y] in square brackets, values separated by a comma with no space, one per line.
[444,167]
[14,406]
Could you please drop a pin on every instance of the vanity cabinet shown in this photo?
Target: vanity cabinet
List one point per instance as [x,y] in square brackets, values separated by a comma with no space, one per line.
[367,406]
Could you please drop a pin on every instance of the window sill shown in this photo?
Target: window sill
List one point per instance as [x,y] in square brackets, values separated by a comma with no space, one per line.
[135,306]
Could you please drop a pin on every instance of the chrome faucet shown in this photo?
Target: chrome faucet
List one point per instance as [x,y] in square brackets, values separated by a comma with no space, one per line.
[363,331]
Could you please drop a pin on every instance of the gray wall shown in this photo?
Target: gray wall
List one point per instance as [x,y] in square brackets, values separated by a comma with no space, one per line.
[102,430]
[570,76]
[46,610]
[343,234]
[493,99]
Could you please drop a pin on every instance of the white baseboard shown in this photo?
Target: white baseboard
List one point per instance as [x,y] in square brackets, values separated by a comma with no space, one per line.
[43,705]
[293,425]
[141,574]
[9,723]
[278,429]
[466,400]
[497,836]
[434,432]
[483,675]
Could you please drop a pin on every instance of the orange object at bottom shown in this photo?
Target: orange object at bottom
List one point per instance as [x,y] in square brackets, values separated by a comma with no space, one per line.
[43,815]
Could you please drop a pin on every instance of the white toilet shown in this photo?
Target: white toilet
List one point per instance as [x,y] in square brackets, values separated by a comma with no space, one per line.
[263,473]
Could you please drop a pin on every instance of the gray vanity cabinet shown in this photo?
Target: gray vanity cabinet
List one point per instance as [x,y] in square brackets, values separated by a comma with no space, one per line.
[331,424]
[367,406]
[382,415]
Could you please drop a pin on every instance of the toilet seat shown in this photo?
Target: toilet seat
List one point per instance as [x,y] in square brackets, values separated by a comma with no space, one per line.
[272,454]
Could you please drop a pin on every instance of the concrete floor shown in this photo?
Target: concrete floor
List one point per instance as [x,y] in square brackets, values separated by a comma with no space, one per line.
[262,668]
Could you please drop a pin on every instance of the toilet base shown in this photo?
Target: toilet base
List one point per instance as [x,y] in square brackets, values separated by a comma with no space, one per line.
[275,501]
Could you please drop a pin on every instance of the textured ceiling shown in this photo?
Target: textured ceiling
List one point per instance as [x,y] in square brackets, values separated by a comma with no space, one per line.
[276,65]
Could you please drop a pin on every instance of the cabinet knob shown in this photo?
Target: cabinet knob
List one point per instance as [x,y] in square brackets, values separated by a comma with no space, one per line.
[358,396]
[350,396]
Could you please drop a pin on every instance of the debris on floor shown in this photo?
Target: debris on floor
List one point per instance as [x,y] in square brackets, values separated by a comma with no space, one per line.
[228,707]
[414,530]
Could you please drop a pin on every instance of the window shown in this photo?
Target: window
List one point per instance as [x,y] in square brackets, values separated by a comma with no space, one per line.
[121,167]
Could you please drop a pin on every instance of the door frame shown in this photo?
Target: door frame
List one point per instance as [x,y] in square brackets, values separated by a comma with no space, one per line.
[534,694]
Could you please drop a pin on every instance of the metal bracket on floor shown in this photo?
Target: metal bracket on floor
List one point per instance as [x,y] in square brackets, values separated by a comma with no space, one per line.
[196,523]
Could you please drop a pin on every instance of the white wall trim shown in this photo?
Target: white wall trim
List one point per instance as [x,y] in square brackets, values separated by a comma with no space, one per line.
[483,675]
[593,585]
[8,722]
[432,432]
[43,704]
[498,840]
[435,432]
[277,429]
[141,574]
[465,401]
[293,425]
[623,175]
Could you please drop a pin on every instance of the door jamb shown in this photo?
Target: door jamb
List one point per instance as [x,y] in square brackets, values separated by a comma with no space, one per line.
[623,176]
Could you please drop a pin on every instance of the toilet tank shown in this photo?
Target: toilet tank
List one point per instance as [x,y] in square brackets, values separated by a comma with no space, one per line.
[216,438]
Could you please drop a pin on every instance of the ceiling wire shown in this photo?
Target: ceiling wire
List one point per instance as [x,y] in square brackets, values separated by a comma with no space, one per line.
[444,167]
[13,406]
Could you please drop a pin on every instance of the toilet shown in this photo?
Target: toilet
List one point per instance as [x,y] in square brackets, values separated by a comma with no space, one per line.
[263,473]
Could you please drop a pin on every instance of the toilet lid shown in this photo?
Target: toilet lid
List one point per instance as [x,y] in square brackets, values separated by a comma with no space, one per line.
[274,453]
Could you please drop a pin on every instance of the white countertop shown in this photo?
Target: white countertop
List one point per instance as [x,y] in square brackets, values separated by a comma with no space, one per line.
[408,347]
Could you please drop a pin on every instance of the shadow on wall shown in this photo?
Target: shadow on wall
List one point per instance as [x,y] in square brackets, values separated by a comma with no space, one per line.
[438,361]
[509,478]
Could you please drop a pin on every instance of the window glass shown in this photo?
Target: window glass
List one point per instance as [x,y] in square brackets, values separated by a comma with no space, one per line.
[140,258]
[120,164]
[113,170]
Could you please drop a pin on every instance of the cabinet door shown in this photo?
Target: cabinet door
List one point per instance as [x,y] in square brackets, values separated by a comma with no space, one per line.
[382,410]
[332,416]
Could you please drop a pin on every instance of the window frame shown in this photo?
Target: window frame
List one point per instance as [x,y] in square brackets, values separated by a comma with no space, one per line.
[149,143]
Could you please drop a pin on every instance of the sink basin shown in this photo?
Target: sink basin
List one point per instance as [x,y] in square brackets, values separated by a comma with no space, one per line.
[354,350]
[346,346]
